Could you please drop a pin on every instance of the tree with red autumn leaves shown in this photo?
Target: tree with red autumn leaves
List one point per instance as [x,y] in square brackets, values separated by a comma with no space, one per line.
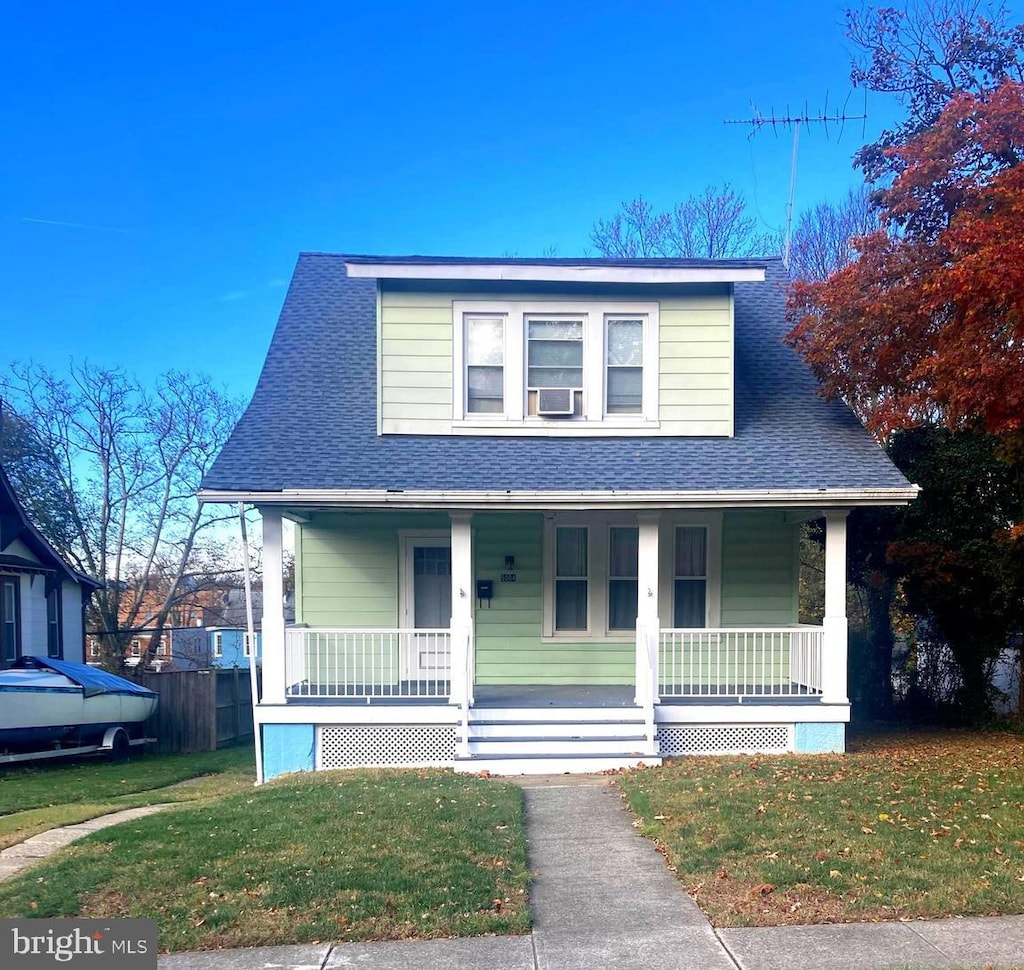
[923,334]
[927,323]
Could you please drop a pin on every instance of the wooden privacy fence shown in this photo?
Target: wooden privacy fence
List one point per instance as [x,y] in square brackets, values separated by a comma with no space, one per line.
[199,710]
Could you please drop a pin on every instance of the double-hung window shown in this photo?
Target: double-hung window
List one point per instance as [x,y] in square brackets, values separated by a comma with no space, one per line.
[556,366]
[54,648]
[623,567]
[10,620]
[485,364]
[554,360]
[572,576]
[624,365]
[218,644]
[591,575]
[690,577]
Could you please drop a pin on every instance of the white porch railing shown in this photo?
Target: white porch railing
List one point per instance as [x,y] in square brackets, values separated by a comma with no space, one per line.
[734,662]
[347,663]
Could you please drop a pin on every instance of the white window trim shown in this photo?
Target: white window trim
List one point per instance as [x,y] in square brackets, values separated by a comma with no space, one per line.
[595,314]
[218,645]
[246,644]
[600,524]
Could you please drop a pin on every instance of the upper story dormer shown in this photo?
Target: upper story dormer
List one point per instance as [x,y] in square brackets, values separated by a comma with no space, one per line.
[555,347]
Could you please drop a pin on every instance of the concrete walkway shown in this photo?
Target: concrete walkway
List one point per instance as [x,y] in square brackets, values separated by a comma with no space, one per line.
[17,857]
[603,899]
[602,896]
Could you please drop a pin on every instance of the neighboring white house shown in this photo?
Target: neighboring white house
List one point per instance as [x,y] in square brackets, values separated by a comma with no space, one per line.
[546,515]
[42,598]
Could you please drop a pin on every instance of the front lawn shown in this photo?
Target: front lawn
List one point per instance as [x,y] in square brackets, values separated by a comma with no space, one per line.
[904,826]
[327,856]
[48,794]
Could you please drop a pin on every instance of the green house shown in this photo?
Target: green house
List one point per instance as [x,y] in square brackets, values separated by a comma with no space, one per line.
[546,515]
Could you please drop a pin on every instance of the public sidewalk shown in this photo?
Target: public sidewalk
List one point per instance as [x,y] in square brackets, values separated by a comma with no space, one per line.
[603,899]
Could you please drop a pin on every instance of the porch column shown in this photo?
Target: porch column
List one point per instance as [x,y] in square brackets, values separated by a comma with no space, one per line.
[272,624]
[648,624]
[463,595]
[833,661]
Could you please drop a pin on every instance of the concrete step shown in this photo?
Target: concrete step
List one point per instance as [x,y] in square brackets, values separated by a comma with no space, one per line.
[552,764]
[548,728]
[553,714]
[554,745]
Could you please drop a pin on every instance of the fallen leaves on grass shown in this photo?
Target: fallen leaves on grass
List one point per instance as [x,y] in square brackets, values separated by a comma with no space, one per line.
[904,826]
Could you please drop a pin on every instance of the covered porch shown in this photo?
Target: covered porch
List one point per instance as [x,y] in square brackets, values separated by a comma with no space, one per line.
[657,689]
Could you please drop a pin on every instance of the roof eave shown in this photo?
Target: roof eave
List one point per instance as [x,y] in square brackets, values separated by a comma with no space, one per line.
[816,498]
[539,272]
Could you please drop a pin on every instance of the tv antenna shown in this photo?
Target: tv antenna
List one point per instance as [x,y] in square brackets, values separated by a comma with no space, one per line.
[790,121]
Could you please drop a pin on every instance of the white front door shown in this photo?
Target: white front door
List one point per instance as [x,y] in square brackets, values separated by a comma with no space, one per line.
[427,605]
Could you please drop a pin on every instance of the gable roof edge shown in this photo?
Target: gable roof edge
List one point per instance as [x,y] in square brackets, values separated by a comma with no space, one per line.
[39,544]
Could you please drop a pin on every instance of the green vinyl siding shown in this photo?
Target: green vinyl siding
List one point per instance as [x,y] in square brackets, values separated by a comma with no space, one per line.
[347,576]
[347,573]
[347,566]
[509,647]
[416,358]
[759,568]
[694,364]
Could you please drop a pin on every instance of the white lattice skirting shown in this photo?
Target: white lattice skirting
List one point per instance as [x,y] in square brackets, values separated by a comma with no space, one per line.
[725,739]
[385,746]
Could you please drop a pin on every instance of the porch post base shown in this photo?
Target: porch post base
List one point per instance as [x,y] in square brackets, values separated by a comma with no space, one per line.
[834,659]
[825,738]
[288,748]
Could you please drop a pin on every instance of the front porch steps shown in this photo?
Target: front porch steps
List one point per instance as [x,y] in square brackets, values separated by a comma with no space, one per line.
[554,741]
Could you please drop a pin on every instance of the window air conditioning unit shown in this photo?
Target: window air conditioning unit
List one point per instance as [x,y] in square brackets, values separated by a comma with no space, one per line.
[555,402]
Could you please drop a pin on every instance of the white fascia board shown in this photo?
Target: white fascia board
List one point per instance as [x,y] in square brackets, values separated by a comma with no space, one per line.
[556,274]
[750,712]
[582,501]
[297,712]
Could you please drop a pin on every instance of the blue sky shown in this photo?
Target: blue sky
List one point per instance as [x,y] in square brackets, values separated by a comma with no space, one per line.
[163,165]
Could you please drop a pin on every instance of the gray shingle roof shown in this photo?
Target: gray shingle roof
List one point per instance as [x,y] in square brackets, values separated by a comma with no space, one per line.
[311,423]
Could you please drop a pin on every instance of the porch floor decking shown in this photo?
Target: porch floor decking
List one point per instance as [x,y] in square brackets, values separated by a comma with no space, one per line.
[618,695]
